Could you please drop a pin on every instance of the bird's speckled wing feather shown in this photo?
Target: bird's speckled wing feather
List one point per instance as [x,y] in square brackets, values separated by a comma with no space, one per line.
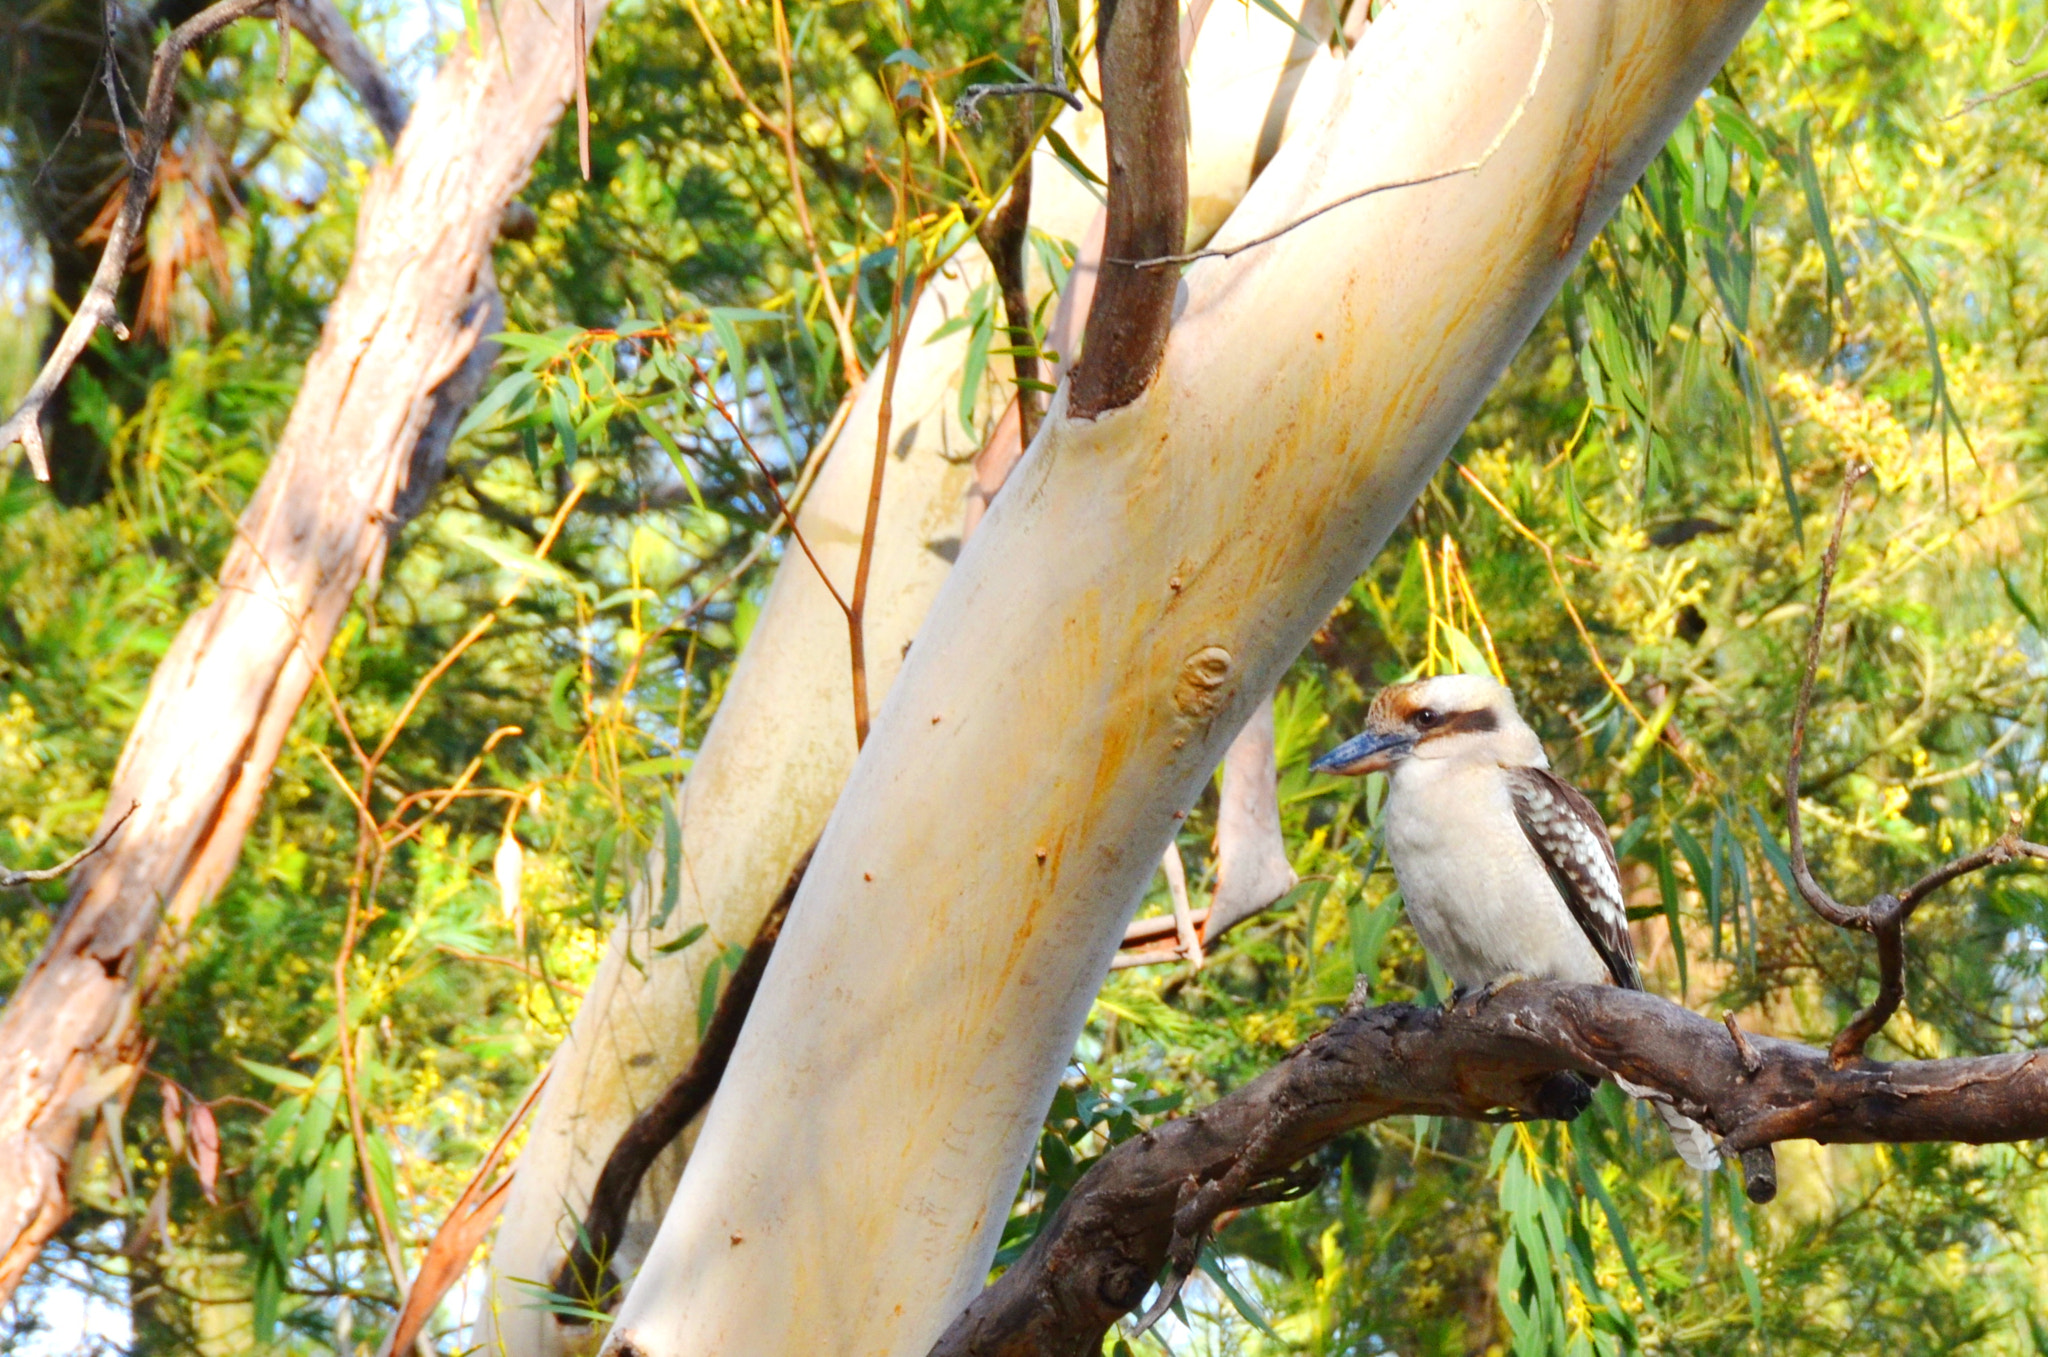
[1571,839]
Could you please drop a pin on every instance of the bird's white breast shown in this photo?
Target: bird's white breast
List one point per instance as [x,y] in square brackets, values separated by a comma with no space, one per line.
[1478,895]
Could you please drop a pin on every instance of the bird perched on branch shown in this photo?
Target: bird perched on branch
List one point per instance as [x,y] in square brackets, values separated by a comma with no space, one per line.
[1507,870]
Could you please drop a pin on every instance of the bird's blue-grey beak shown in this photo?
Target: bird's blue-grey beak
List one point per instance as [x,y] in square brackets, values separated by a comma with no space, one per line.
[1372,752]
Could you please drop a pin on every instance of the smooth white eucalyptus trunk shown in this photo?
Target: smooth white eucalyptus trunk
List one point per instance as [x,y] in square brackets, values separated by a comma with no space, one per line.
[1141,583]
[764,780]
[778,753]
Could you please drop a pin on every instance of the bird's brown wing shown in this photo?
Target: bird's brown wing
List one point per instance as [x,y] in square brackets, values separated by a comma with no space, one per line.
[1571,839]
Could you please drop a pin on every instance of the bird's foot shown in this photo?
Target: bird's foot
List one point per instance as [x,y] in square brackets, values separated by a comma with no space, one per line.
[1471,1001]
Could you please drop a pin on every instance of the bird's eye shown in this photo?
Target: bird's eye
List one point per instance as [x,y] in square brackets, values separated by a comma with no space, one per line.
[1427,717]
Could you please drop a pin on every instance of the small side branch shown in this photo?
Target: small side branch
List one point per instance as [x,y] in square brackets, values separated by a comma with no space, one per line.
[1886,915]
[96,308]
[1146,1202]
[967,108]
[10,878]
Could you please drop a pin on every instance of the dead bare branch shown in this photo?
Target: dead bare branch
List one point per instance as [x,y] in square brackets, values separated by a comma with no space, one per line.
[1153,1198]
[1886,914]
[96,308]
[967,108]
[1973,104]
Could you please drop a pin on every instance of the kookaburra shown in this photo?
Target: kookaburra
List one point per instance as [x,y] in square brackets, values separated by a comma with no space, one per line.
[1507,870]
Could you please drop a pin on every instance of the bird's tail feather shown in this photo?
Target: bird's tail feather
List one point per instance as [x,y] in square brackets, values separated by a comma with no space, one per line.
[1694,1143]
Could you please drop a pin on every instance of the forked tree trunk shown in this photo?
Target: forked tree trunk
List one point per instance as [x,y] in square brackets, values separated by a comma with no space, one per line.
[778,752]
[416,302]
[1142,582]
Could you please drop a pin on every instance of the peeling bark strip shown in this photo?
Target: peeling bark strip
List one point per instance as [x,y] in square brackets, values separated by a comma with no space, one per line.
[224,696]
[1155,1195]
[1145,122]
[587,1272]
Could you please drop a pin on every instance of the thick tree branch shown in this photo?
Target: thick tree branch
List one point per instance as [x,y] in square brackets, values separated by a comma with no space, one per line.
[1145,123]
[1156,1196]
[96,308]
[353,61]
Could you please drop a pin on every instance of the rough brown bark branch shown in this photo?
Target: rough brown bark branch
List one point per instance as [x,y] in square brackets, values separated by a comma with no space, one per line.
[222,700]
[1101,1251]
[1145,124]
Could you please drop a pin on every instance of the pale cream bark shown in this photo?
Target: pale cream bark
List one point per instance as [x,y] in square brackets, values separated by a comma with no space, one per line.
[1140,584]
[778,753]
[765,777]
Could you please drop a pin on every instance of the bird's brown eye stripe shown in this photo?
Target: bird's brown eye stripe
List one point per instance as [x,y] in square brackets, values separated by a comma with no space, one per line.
[1479,722]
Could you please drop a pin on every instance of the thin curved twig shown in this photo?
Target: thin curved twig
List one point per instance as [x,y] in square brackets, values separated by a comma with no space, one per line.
[1469,167]
[10,878]
[1972,105]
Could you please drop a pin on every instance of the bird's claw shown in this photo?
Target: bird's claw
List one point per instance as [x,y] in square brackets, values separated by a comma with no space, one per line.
[1471,1001]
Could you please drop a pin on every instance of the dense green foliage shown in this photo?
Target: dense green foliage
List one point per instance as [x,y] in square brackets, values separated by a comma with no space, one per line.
[1834,260]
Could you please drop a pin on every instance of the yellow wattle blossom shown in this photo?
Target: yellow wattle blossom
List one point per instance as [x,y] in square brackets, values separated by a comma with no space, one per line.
[1862,426]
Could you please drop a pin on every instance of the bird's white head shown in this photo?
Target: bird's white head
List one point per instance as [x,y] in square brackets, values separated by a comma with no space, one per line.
[1453,717]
